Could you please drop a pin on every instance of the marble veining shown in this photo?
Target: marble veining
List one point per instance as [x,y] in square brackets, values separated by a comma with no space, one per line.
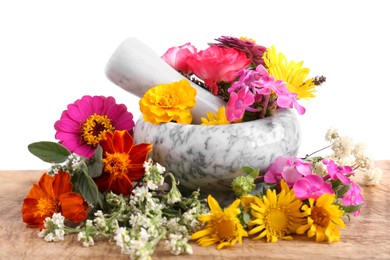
[209,157]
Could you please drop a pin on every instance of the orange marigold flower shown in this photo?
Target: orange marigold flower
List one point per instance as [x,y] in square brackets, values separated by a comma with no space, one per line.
[123,162]
[53,194]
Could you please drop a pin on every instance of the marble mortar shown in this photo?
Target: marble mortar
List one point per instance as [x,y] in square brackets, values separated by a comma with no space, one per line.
[210,157]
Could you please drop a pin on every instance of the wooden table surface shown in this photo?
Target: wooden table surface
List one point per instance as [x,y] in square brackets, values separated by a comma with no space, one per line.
[366,237]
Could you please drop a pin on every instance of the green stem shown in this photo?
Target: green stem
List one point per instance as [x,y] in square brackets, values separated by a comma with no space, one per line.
[309,155]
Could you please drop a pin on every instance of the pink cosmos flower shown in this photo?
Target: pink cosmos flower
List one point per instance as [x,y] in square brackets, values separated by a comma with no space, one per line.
[353,197]
[311,186]
[288,168]
[217,64]
[337,172]
[87,120]
[237,104]
[177,57]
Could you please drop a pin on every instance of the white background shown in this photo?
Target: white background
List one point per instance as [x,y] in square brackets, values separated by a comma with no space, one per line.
[53,53]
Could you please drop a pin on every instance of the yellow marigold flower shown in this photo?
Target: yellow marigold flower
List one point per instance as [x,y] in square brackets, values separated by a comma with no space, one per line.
[169,102]
[218,118]
[276,215]
[290,72]
[222,226]
[323,219]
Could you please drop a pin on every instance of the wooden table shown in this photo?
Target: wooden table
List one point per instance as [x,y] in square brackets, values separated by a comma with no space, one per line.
[367,236]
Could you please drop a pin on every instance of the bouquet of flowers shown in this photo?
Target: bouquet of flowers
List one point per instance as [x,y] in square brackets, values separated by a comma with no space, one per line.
[103,185]
[253,80]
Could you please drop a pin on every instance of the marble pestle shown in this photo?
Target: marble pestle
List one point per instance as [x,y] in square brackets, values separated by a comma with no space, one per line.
[135,67]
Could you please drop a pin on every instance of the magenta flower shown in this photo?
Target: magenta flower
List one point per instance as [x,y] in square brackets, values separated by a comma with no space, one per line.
[87,120]
[237,104]
[290,169]
[177,57]
[353,197]
[337,172]
[286,99]
[311,186]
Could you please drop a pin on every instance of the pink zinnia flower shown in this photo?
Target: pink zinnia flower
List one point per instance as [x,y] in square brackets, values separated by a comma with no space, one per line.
[237,104]
[288,168]
[337,172]
[87,120]
[177,57]
[311,186]
[353,197]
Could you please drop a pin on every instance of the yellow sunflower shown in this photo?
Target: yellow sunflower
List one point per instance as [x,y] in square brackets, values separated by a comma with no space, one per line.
[218,118]
[222,226]
[276,215]
[290,72]
[324,219]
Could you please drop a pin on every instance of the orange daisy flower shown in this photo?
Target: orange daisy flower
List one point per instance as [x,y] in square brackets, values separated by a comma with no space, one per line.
[123,162]
[53,194]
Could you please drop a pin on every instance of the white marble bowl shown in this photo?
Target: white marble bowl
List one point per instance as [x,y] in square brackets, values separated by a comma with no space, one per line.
[209,157]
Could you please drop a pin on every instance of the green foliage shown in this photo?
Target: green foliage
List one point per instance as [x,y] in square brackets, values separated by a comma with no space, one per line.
[253,173]
[352,208]
[86,186]
[50,152]
[95,166]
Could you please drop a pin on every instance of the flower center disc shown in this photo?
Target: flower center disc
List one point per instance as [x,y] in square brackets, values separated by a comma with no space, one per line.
[225,229]
[320,216]
[277,221]
[116,163]
[95,128]
[46,207]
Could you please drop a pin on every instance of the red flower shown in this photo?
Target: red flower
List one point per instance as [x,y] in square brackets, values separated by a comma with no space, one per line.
[53,194]
[123,162]
[216,64]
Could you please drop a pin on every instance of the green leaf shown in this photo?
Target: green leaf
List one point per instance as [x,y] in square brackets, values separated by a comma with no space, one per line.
[50,152]
[95,169]
[352,208]
[253,173]
[87,186]
[341,191]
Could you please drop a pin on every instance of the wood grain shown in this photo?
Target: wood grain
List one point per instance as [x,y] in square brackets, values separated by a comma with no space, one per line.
[367,236]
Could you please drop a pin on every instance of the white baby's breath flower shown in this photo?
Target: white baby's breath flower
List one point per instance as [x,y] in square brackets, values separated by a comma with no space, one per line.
[178,244]
[100,221]
[85,238]
[372,176]
[160,168]
[53,228]
[363,160]
[331,134]
[141,194]
[319,168]
[153,175]
[139,220]
[342,146]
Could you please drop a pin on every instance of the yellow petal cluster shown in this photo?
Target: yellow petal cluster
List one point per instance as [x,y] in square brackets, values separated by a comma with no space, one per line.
[290,72]
[276,215]
[222,226]
[218,118]
[169,102]
[324,219]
